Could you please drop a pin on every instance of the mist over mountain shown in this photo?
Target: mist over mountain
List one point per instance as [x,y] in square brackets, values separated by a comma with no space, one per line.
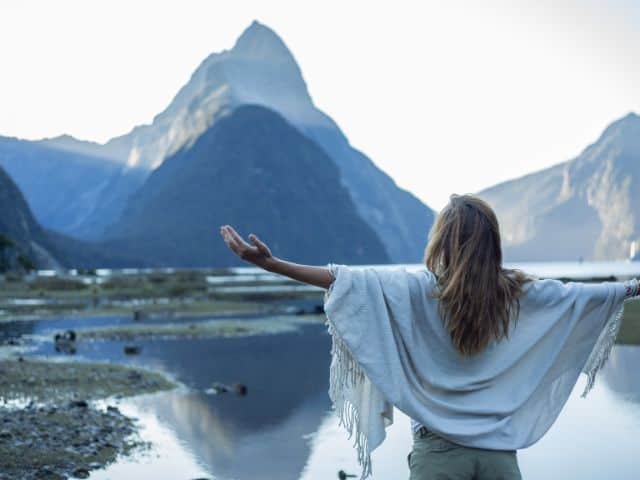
[258,70]
[63,188]
[254,170]
[582,208]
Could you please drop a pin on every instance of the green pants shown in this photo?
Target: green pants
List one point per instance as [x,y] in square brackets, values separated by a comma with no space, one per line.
[434,458]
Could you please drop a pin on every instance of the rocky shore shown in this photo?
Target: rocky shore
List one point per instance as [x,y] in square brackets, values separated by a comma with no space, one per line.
[50,425]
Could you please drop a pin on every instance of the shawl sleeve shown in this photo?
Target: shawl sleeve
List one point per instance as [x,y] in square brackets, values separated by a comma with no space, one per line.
[623,291]
[362,306]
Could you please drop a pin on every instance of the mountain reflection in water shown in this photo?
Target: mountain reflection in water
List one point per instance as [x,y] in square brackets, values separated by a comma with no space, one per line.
[261,435]
[283,429]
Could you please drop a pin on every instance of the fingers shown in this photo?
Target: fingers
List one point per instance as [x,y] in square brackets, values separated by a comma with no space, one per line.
[262,247]
[237,244]
[236,236]
[232,240]
[226,236]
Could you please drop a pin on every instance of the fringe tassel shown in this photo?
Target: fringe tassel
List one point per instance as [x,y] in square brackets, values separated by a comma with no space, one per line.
[345,374]
[602,349]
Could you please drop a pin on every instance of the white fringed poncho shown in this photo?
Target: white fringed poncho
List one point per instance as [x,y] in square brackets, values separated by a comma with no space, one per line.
[390,349]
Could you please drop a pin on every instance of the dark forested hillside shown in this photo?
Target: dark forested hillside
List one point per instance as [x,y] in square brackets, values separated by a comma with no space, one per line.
[24,244]
[254,170]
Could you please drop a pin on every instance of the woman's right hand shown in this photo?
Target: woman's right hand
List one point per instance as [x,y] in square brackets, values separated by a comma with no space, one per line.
[259,253]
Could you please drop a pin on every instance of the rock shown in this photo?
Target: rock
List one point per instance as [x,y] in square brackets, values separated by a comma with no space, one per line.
[80,473]
[131,349]
[113,409]
[79,403]
[237,388]
[65,342]
[219,388]
[67,336]
[240,389]
[342,475]
[293,310]
[48,474]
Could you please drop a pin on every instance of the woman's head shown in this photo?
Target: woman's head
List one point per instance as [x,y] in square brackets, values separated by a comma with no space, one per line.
[477,296]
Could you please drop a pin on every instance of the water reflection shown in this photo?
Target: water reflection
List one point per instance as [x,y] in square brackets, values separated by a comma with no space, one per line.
[621,375]
[169,458]
[277,450]
[262,435]
[283,428]
[594,438]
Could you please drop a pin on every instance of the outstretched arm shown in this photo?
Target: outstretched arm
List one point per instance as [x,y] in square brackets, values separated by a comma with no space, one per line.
[260,255]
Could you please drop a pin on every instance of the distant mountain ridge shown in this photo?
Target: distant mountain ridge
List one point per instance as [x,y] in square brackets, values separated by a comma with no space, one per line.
[258,70]
[24,243]
[62,187]
[580,209]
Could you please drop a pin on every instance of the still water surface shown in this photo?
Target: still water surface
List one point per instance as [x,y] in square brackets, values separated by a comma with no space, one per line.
[283,428]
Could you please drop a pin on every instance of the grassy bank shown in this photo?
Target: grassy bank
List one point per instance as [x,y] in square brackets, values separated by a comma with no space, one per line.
[630,330]
[178,294]
[205,329]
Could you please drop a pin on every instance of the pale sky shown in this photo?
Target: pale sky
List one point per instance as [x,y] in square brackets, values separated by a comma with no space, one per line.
[444,96]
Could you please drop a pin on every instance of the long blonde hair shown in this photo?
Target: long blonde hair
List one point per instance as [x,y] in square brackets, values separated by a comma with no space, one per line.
[478,297]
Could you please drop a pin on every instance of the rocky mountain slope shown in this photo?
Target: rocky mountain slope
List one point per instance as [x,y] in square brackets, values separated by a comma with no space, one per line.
[582,208]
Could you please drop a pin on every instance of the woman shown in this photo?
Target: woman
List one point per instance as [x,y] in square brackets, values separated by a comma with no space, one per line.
[482,358]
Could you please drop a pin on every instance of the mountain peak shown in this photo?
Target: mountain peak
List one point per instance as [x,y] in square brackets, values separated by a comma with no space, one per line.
[625,129]
[631,117]
[259,41]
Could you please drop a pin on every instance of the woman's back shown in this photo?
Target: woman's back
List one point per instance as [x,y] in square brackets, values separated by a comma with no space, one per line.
[392,348]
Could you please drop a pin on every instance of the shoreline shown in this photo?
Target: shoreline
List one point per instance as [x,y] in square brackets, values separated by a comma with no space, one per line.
[50,426]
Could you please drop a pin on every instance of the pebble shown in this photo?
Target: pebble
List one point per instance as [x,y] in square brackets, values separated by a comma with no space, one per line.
[47,474]
[131,349]
[80,473]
